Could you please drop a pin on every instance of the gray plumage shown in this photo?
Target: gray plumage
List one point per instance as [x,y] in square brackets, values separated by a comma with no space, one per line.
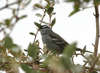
[52,40]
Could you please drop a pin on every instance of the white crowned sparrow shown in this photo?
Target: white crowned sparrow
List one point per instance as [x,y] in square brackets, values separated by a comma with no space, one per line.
[52,40]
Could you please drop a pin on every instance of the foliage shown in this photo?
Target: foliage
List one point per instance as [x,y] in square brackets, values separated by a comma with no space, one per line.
[39,60]
[77,5]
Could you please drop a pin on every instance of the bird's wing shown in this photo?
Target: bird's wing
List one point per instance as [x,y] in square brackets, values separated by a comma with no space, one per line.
[58,40]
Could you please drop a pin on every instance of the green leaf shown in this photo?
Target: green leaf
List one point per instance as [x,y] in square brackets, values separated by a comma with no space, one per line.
[12,48]
[38,14]
[73,12]
[37,24]
[33,50]
[66,62]
[38,6]
[69,50]
[32,33]
[53,22]
[50,10]
[76,7]
[67,55]
[23,16]
[8,43]
[27,68]
[47,6]
[7,22]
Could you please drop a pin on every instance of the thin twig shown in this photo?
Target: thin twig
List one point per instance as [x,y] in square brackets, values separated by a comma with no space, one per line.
[96,69]
[40,24]
[8,5]
[36,35]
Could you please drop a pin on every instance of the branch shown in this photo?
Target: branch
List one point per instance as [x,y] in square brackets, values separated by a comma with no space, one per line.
[93,65]
[40,24]
[95,69]
[96,7]
[97,28]
[9,5]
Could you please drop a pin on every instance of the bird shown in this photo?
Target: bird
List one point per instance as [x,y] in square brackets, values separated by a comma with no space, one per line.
[52,40]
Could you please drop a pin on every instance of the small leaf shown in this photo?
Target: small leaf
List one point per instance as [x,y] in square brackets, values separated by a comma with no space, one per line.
[47,6]
[69,50]
[37,24]
[66,62]
[38,6]
[76,6]
[39,15]
[67,55]
[27,68]
[32,33]
[23,16]
[33,50]
[53,22]
[73,12]
[7,22]
[50,10]
[8,43]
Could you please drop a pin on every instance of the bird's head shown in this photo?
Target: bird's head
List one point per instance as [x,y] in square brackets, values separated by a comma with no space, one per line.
[44,29]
